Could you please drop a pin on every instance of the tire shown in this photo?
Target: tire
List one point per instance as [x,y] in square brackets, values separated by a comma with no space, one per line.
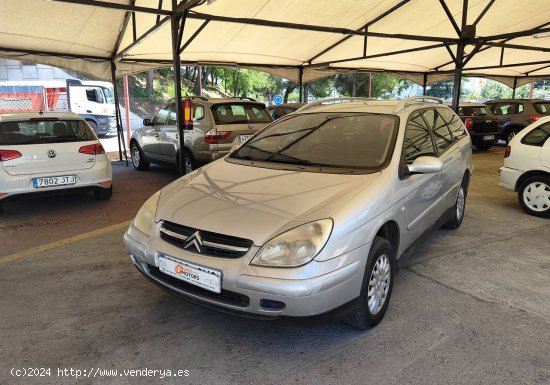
[484,146]
[510,135]
[372,308]
[458,208]
[95,127]
[138,160]
[103,194]
[534,196]
[188,161]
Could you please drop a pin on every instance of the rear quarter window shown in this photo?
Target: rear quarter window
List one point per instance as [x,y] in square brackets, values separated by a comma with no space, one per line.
[44,131]
[538,136]
[542,108]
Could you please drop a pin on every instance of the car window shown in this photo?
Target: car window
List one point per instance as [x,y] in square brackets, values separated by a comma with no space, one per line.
[162,116]
[473,111]
[329,140]
[238,113]
[507,108]
[198,112]
[418,141]
[454,123]
[44,131]
[440,130]
[542,108]
[538,136]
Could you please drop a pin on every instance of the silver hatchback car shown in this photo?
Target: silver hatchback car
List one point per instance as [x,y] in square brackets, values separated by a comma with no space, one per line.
[309,217]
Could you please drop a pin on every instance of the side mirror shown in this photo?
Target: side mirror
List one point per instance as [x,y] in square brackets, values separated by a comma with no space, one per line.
[426,165]
[147,122]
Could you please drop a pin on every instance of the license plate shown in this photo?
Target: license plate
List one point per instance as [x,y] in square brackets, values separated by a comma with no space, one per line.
[201,276]
[52,181]
[244,138]
[488,137]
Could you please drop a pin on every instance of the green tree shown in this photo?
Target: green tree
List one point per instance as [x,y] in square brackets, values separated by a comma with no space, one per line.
[495,90]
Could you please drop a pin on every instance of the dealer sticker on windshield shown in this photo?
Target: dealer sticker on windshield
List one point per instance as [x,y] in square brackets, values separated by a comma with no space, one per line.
[201,276]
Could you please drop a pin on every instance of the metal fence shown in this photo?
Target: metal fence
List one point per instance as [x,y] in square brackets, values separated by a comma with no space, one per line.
[144,107]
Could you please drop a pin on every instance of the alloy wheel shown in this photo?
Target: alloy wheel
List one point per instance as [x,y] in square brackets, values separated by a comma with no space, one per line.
[379,284]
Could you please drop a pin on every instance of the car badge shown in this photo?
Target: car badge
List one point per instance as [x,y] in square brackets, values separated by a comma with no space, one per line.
[194,240]
[250,126]
[52,154]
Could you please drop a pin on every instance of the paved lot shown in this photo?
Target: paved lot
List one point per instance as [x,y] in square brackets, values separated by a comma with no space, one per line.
[471,307]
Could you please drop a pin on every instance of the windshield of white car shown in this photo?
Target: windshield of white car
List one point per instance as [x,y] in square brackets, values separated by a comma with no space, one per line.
[240,113]
[38,131]
[327,140]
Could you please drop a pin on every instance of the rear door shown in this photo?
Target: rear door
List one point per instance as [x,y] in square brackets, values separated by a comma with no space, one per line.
[46,146]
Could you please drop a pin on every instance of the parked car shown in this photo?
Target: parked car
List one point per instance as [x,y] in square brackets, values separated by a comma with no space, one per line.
[280,110]
[309,217]
[481,124]
[527,168]
[514,115]
[217,123]
[45,152]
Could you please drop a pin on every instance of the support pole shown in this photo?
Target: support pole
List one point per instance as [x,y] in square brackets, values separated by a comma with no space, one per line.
[458,75]
[514,87]
[120,134]
[127,109]
[370,85]
[301,84]
[176,64]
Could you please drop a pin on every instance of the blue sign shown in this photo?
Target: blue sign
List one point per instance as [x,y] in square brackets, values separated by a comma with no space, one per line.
[277,99]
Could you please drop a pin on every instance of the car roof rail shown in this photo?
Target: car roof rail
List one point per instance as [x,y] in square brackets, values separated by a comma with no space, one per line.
[333,101]
[417,99]
[246,98]
[198,97]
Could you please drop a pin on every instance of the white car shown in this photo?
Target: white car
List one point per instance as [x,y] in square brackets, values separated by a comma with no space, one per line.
[44,152]
[527,168]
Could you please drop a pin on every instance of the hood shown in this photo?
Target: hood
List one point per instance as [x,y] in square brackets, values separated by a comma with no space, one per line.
[255,203]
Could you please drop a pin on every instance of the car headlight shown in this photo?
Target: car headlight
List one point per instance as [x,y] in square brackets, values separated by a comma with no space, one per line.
[145,218]
[296,246]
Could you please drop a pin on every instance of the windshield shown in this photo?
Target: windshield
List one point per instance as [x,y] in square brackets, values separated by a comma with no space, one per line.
[239,113]
[44,131]
[109,96]
[326,140]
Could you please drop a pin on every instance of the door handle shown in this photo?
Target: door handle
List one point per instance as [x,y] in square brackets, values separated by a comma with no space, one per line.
[156,135]
[89,111]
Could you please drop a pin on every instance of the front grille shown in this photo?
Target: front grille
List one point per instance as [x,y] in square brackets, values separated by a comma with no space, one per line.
[226,296]
[485,127]
[204,242]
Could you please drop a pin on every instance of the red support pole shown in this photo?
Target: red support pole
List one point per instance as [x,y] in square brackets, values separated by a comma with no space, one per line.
[127,110]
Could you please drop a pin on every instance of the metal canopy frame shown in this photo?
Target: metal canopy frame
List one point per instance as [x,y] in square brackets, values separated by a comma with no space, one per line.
[180,11]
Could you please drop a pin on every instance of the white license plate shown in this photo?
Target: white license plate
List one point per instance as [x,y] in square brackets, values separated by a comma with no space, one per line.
[201,276]
[488,137]
[243,138]
[52,181]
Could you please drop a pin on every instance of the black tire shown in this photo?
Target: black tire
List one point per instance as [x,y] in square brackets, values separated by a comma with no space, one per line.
[188,161]
[534,196]
[138,161]
[510,134]
[364,317]
[484,146]
[104,194]
[458,208]
[94,127]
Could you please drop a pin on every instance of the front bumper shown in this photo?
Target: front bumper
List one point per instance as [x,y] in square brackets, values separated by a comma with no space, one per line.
[308,291]
[508,177]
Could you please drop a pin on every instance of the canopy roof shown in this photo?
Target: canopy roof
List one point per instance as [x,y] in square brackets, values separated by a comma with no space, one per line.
[297,39]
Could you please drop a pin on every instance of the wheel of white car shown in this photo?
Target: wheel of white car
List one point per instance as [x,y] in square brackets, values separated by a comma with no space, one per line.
[534,196]
[138,161]
[377,285]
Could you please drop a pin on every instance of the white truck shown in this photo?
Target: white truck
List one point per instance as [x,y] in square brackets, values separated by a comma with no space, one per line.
[93,100]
